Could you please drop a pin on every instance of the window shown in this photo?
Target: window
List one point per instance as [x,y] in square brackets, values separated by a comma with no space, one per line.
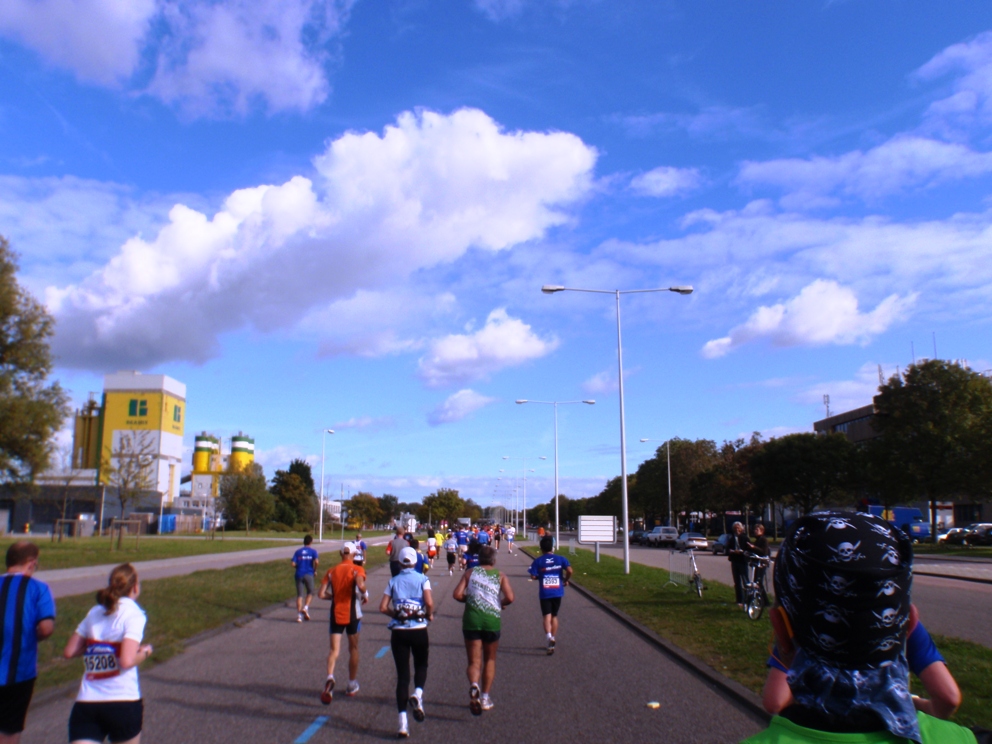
[177,414]
[137,408]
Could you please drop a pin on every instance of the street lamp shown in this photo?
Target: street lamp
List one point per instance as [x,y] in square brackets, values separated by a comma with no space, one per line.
[523,505]
[668,451]
[682,290]
[323,440]
[555,404]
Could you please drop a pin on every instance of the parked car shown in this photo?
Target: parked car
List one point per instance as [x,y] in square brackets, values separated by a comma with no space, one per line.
[637,536]
[720,544]
[959,535]
[691,540]
[661,536]
[980,536]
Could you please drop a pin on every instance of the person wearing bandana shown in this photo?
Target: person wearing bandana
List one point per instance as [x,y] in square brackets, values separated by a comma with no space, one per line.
[843,582]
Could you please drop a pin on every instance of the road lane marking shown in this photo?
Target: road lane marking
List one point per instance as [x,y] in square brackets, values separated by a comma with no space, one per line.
[312,729]
[382,652]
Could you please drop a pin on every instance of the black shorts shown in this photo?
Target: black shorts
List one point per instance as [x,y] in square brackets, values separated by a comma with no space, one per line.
[14,701]
[550,606]
[451,559]
[352,628]
[486,636]
[119,720]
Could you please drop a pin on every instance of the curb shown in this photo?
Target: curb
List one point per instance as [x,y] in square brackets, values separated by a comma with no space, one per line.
[740,694]
[956,578]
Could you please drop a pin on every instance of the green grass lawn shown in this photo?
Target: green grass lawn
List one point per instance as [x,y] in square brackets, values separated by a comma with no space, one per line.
[716,631]
[95,551]
[330,533]
[953,550]
[179,608]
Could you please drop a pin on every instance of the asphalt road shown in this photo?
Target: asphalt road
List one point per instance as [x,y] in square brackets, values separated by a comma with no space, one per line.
[261,682]
[959,609]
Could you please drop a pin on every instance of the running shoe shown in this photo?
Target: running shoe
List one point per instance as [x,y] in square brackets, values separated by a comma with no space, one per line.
[306,615]
[352,689]
[551,646]
[475,700]
[487,702]
[418,708]
[299,617]
[404,732]
[328,694]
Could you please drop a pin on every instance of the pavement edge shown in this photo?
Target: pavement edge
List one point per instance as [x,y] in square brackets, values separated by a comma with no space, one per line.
[740,694]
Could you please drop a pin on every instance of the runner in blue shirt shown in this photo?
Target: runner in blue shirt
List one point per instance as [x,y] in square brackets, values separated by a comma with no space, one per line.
[553,572]
[461,537]
[305,561]
[27,615]
[482,537]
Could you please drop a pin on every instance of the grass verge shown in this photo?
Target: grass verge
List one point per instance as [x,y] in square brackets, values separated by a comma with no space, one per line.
[179,608]
[961,551]
[715,630]
[95,551]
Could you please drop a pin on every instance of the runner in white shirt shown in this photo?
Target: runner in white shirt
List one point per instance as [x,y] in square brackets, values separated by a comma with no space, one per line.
[109,640]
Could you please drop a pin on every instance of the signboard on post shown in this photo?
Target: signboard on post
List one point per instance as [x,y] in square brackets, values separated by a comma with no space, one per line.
[597,530]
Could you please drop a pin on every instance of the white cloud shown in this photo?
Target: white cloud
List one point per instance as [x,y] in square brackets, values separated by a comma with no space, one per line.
[99,40]
[422,193]
[502,342]
[365,422]
[498,10]
[667,181]
[458,406]
[822,313]
[208,57]
[846,395]
[970,104]
[605,382]
[710,122]
[904,162]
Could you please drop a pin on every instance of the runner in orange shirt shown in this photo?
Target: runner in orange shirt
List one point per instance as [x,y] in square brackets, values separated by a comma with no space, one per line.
[344,585]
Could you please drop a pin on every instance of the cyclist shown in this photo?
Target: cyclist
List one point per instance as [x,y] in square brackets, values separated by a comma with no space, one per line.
[553,572]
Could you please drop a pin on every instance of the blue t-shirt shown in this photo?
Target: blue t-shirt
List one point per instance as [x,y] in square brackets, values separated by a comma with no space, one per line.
[483,537]
[421,566]
[471,560]
[24,602]
[548,570]
[406,589]
[304,559]
[462,537]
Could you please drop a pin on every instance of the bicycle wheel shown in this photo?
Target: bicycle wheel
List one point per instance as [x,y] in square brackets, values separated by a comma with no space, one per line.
[755,605]
[697,580]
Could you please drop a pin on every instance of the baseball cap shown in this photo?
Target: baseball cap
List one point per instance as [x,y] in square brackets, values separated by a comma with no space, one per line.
[349,547]
[408,557]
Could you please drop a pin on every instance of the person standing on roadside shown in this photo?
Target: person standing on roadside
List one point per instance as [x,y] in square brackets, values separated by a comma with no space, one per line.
[344,585]
[480,589]
[553,572]
[109,703]
[737,555]
[305,562]
[395,547]
[410,605]
[27,615]
[759,546]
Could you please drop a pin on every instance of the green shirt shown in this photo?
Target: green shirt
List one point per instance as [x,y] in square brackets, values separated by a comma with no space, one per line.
[933,731]
[482,607]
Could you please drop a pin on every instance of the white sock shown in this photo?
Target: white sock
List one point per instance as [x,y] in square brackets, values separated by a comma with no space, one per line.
[330,676]
[419,692]
[550,637]
[403,719]
[306,608]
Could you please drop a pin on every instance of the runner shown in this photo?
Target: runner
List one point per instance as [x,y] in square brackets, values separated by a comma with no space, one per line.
[553,571]
[472,555]
[451,548]
[344,585]
[461,535]
[483,537]
[510,533]
[362,549]
[305,561]
[109,638]
[27,615]
[431,548]
[480,589]
[422,566]
[408,601]
[497,535]
[394,548]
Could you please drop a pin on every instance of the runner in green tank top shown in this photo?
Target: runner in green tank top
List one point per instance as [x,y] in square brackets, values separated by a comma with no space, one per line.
[480,589]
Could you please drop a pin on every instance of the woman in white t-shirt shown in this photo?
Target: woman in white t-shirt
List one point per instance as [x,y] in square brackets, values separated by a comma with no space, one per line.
[109,640]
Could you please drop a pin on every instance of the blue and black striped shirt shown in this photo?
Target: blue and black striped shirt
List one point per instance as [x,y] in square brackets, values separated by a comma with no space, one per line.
[24,602]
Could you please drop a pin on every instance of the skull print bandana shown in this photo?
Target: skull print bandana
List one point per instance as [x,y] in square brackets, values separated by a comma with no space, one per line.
[844,578]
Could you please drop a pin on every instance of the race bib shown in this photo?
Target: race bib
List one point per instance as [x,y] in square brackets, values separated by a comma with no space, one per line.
[100,660]
[551,582]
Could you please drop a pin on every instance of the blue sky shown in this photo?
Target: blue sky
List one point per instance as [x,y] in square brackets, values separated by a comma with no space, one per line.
[340,213]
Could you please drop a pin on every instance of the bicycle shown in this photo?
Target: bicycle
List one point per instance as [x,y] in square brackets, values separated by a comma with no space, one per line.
[696,580]
[755,597]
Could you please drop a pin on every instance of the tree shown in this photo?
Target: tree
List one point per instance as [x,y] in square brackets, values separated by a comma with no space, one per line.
[390,506]
[302,469]
[364,508]
[294,502]
[936,422]
[129,467]
[67,474]
[805,469]
[31,411]
[444,505]
[244,497]
[689,459]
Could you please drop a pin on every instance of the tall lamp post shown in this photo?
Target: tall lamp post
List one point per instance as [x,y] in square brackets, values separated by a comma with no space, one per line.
[553,288]
[523,503]
[668,451]
[555,403]
[323,440]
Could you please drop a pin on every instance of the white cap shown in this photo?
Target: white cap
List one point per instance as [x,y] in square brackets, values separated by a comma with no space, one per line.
[349,547]
[408,557]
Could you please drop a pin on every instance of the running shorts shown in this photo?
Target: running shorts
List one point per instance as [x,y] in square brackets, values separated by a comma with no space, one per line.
[14,701]
[431,552]
[550,606]
[119,720]
[486,636]
[463,548]
[352,628]
[304,585]
[451,559]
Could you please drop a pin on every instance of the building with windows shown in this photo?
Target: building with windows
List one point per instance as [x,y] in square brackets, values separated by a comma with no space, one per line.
[856,425]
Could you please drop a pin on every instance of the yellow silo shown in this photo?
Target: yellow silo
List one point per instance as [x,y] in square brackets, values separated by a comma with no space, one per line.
[242,452]
[204,448]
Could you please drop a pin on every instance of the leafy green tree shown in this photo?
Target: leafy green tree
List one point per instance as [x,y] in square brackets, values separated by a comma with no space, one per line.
[294,502]
[689,459]
[805,470]
[31,410]
[364,508]
[302,469]
[390,506]
[443,505]
[244,497]
[936,423]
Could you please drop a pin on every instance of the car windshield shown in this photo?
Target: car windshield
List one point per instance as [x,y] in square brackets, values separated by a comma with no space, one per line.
[695,534]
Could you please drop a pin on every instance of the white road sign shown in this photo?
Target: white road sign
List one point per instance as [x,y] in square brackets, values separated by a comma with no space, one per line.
[597,530]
